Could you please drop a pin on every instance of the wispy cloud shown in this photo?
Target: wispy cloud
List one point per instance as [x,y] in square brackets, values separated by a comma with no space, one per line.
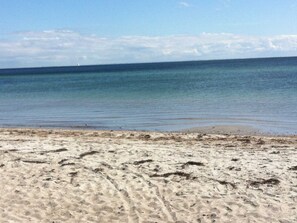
[184,4]
[66,47]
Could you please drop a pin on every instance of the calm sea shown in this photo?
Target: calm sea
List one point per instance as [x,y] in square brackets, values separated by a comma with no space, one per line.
[261,93]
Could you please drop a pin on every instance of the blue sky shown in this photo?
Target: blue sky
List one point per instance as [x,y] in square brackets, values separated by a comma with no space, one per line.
[67,32]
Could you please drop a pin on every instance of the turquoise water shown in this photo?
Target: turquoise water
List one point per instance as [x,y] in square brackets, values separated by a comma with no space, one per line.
[261,93]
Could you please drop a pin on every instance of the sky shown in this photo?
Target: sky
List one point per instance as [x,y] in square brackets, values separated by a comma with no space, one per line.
[36,33]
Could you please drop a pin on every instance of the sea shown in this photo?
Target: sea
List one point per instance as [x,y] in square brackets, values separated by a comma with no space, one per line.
[171,96]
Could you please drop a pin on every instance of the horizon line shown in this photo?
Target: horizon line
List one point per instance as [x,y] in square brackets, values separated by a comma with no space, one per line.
[139,63]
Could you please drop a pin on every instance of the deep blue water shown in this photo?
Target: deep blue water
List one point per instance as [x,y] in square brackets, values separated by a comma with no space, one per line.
[159,96]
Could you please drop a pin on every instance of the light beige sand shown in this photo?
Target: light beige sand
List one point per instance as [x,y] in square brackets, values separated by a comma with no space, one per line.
[101,176]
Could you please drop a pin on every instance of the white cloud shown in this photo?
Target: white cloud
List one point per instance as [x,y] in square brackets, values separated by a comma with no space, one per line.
[184,4]
[65,47]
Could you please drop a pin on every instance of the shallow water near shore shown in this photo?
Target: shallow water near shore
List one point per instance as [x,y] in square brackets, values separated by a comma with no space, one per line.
[261,93]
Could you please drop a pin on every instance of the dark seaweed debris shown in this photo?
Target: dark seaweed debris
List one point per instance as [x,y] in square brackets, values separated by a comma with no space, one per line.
[178,173]
[193,163]
[293,168]
[55,151]
[34,161]
[269,182]
[142,161]
[87,154]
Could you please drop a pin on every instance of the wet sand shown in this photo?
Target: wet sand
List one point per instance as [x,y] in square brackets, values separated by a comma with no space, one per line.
[228,129]
[126,176]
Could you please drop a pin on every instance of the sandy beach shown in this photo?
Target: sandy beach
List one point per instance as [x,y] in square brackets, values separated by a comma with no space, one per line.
[124,176]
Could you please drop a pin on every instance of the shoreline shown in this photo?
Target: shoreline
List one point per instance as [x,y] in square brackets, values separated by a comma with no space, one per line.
[233,130]
[236,130]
